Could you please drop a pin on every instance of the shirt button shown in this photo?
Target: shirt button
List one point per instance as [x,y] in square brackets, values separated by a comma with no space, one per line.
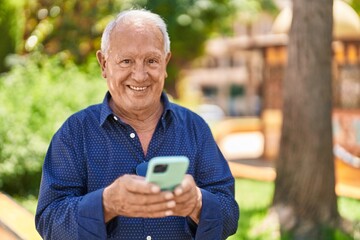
[132,135]
[115,118]
[148,238]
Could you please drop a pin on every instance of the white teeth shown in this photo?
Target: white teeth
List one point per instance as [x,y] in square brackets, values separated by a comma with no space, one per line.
[137,88]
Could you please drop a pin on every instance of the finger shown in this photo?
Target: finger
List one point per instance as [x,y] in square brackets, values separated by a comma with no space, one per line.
[186,185]
[138,184]
[184,208]
[144,205]
[137,199]
[136,176]
[153,210]
[184,198]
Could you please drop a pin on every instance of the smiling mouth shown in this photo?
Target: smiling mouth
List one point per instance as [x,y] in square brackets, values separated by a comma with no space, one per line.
[139,89]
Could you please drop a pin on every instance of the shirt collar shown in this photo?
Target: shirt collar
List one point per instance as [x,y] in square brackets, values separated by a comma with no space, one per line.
[106,110]
[169,111]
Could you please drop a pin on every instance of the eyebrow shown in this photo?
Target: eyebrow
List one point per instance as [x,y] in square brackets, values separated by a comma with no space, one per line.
[130,54]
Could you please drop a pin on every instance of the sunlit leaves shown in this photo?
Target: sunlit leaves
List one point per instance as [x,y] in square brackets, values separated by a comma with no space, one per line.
[36,97]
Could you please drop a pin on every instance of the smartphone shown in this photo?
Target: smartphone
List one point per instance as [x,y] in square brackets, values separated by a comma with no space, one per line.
[167,171]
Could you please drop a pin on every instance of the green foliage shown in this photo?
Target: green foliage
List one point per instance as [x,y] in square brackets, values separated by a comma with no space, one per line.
[248,11]
[356,5]
[36,96]
[11,29]
[70,26]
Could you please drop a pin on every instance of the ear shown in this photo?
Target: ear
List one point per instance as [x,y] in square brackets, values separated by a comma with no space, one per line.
[102,61]
[167,59]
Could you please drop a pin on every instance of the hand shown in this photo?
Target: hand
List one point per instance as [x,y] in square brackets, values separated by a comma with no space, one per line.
[188,199]
[132,196]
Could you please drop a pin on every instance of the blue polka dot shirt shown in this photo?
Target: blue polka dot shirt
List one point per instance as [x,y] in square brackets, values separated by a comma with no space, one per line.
[94,147]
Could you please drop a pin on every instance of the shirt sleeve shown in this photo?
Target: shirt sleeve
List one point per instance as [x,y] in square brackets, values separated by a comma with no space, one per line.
[65,210]
[220,212]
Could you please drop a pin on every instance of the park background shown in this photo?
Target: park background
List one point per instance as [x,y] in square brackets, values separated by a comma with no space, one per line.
[49,71]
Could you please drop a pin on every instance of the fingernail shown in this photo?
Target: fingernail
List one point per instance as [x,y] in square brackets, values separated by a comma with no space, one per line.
[155,189]
[178,191]
[168,213]
[168,196]
[171,204]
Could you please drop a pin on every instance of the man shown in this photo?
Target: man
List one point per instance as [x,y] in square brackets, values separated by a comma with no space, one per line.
[89,187]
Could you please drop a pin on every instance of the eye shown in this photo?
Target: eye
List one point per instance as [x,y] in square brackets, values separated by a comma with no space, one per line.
[125,62]
[152,61]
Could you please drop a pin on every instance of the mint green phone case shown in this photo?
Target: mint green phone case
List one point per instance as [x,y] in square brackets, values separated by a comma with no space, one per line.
[167,171]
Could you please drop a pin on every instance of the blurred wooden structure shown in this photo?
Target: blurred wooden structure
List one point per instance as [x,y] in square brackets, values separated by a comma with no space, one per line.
[347,177]
[346,165]
[16,223]
[244,76]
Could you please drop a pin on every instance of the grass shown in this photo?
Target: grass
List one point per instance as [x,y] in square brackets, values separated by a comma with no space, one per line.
[254,198]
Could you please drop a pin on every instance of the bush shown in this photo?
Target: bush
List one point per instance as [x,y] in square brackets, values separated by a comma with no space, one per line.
[36,97]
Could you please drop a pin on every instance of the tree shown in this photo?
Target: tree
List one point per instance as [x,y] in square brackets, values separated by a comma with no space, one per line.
[305,198]
[74,27]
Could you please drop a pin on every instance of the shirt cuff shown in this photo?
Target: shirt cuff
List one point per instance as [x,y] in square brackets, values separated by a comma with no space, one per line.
[210,224]
[91,216]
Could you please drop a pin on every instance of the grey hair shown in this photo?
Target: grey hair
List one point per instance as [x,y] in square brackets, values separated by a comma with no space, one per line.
[135,16]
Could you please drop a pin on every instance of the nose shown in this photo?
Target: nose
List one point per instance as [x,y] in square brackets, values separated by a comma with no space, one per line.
[139,73]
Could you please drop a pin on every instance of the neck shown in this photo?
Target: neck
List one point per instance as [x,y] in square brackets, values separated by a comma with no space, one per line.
[144,120]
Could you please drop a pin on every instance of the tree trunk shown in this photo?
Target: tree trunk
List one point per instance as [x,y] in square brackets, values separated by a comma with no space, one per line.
[305,198]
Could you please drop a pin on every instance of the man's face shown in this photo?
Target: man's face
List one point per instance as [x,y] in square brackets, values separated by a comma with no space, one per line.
[135,67]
